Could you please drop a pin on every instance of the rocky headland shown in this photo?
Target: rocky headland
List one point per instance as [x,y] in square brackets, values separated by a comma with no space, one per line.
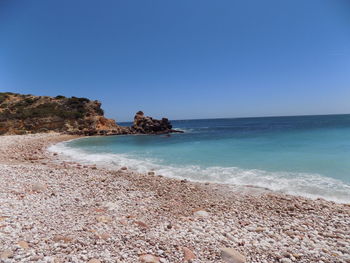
[23,114]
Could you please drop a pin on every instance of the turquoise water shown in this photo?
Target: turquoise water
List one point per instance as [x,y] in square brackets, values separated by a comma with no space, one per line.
[306,155]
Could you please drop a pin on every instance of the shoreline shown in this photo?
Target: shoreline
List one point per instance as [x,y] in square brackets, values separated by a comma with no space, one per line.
[56,211]
[73,154]
[64,158]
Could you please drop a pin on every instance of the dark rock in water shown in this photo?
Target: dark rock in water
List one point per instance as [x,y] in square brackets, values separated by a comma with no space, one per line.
[147,125]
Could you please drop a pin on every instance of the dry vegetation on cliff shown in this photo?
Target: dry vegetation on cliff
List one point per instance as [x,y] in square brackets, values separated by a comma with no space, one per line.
[20,114]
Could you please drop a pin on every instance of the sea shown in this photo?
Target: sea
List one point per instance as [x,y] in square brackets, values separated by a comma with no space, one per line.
[299,155]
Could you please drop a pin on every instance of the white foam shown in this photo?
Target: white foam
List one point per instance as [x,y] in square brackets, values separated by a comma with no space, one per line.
[187,130]
[303,184]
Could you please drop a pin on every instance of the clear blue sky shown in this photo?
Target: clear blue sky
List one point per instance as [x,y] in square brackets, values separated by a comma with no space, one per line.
[181,59]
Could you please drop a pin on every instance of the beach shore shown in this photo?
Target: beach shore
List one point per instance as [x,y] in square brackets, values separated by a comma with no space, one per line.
[53,210]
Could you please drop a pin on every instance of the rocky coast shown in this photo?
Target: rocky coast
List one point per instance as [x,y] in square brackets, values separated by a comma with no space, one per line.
[28,114]
[54,210]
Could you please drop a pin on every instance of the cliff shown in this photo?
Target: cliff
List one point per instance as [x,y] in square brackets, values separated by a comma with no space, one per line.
[21,114]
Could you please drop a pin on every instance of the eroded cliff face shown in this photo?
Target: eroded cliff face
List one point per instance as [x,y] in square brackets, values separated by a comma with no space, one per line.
[22,114]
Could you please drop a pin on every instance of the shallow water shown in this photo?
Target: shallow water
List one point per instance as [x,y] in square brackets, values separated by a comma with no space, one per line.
[304,155]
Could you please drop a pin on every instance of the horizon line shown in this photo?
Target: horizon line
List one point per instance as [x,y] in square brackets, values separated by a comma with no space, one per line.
[251,117]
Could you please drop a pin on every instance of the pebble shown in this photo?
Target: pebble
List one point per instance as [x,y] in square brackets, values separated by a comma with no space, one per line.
[231,255]
[6,254]
[201,213]
[149,259]
[37,187]
[285,260]
[188,254]
[23,244]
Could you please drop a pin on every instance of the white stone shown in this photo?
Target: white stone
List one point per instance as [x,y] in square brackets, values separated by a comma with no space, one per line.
[201,213]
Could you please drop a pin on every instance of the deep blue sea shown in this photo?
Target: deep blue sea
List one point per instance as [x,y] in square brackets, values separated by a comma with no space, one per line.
[302,155]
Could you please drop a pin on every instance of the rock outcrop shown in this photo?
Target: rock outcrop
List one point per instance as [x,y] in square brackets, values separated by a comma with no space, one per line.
[21,114]
[147,125]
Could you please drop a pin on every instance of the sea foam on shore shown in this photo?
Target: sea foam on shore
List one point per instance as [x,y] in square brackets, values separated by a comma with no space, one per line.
[301,184]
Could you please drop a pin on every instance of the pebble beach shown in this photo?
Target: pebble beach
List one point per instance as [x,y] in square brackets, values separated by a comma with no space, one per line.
[55,210]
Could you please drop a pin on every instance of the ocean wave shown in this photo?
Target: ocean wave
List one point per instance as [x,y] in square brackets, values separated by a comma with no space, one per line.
[185,130]
[302,184]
